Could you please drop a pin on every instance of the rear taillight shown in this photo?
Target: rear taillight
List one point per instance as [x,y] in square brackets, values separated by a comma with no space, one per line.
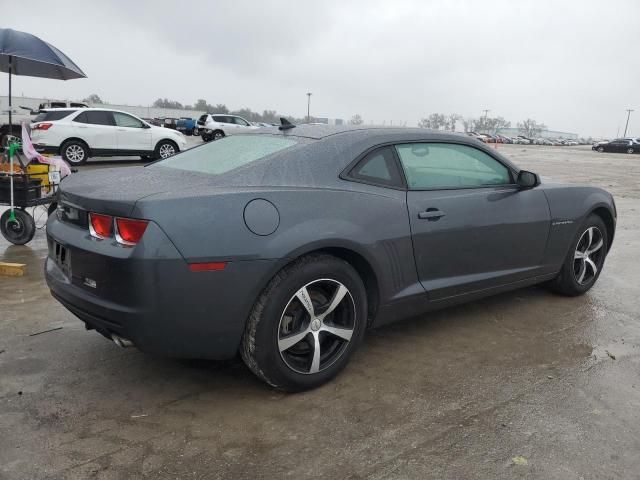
[129,231]
[42,126]
[100,226]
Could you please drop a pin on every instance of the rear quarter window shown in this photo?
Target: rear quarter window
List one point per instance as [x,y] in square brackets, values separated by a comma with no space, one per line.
[226,154]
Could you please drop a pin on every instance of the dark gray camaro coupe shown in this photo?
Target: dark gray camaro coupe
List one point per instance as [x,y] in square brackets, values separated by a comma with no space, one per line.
[287,244]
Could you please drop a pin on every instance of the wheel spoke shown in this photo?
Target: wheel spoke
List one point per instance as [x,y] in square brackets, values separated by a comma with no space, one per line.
[343,333]
[589,262]
[315,363]
[288,342]
[583,270]
[305,300]
[341,291]
[595,248]
[590,232]
[578,255]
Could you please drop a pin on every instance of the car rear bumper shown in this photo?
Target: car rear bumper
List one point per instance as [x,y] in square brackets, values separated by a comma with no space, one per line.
[148,294]
[47,149]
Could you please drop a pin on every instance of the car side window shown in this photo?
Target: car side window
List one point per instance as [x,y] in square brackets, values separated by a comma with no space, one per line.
[239,121]
[82,118]
[430,166]
[220,119]
[378,167]
[99,117]
[124,120]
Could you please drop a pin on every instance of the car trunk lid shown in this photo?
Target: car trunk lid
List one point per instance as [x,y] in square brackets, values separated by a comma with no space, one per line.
[115,191]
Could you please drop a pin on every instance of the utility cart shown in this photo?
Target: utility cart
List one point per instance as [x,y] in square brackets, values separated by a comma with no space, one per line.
[23,185]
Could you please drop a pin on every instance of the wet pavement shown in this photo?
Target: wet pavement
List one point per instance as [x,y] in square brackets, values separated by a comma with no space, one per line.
[523,385]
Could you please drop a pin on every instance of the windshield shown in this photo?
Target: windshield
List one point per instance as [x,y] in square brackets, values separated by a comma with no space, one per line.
[226,154]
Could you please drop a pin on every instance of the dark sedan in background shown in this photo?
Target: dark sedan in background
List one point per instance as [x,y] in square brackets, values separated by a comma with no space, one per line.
[287,243]
[619,145]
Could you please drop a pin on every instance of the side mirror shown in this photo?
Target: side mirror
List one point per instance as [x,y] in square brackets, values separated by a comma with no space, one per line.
[527,179]
[146,125]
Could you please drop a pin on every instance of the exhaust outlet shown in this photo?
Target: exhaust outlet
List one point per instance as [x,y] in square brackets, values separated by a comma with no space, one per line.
[121,342]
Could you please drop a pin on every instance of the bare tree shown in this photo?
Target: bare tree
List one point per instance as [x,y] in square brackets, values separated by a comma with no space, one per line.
[531,128]
[451,121]
[435,121]
[93,99]
[356,120]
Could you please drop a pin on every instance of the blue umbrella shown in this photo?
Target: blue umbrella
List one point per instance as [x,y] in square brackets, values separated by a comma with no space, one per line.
[25,54]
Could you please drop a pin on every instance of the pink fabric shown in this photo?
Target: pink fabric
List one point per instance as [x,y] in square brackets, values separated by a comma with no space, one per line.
[30,152]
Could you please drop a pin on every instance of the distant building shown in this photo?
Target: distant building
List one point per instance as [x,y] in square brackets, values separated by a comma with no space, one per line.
[328,121]
[514,132]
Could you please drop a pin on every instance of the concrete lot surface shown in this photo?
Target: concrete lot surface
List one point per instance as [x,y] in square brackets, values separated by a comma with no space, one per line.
[523,385]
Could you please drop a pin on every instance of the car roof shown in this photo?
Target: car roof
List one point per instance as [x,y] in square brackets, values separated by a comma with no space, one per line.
[320,131]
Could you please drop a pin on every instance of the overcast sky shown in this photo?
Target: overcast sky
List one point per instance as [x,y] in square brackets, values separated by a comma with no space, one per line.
[573,65]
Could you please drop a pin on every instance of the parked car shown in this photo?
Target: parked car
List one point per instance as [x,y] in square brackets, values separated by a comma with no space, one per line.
[153,121]
[60,104]
[77,134]
[619,145]
[216,126]
[187,125]
[169,122]
[524,140]
[287,245]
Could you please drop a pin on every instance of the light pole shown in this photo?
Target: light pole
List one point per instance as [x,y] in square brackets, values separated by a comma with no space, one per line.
[484,123]
[308,106]
[625,127]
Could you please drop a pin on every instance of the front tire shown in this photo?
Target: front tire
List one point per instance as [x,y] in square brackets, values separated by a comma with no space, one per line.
[601,149]
[75,152]
[585,259]
[306,324]
[19,230]
[165,149]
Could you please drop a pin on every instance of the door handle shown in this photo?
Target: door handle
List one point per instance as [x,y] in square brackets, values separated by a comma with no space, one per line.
[431,214]
[82,126]
[121,130]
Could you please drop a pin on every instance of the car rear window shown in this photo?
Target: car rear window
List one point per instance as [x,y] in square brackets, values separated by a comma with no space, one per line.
[54,115]
[227,154]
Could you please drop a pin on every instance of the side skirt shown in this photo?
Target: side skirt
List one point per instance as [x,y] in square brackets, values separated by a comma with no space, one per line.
[418,305]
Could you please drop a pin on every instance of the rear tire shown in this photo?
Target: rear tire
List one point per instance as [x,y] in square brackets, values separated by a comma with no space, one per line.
[75,152]
[218,134]
[281,336]
[585,259]
[18,231]
[630,150]
[206,135]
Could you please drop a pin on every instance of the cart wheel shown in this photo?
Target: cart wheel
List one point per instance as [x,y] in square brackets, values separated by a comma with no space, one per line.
[19,230]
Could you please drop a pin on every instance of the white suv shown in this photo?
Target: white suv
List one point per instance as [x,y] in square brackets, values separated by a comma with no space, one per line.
[77,134]
[215,126]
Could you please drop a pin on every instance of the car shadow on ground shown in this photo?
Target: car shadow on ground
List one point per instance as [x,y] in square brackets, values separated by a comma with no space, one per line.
[492,329]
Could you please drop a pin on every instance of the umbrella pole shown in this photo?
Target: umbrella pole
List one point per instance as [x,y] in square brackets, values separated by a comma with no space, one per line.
[12,215]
